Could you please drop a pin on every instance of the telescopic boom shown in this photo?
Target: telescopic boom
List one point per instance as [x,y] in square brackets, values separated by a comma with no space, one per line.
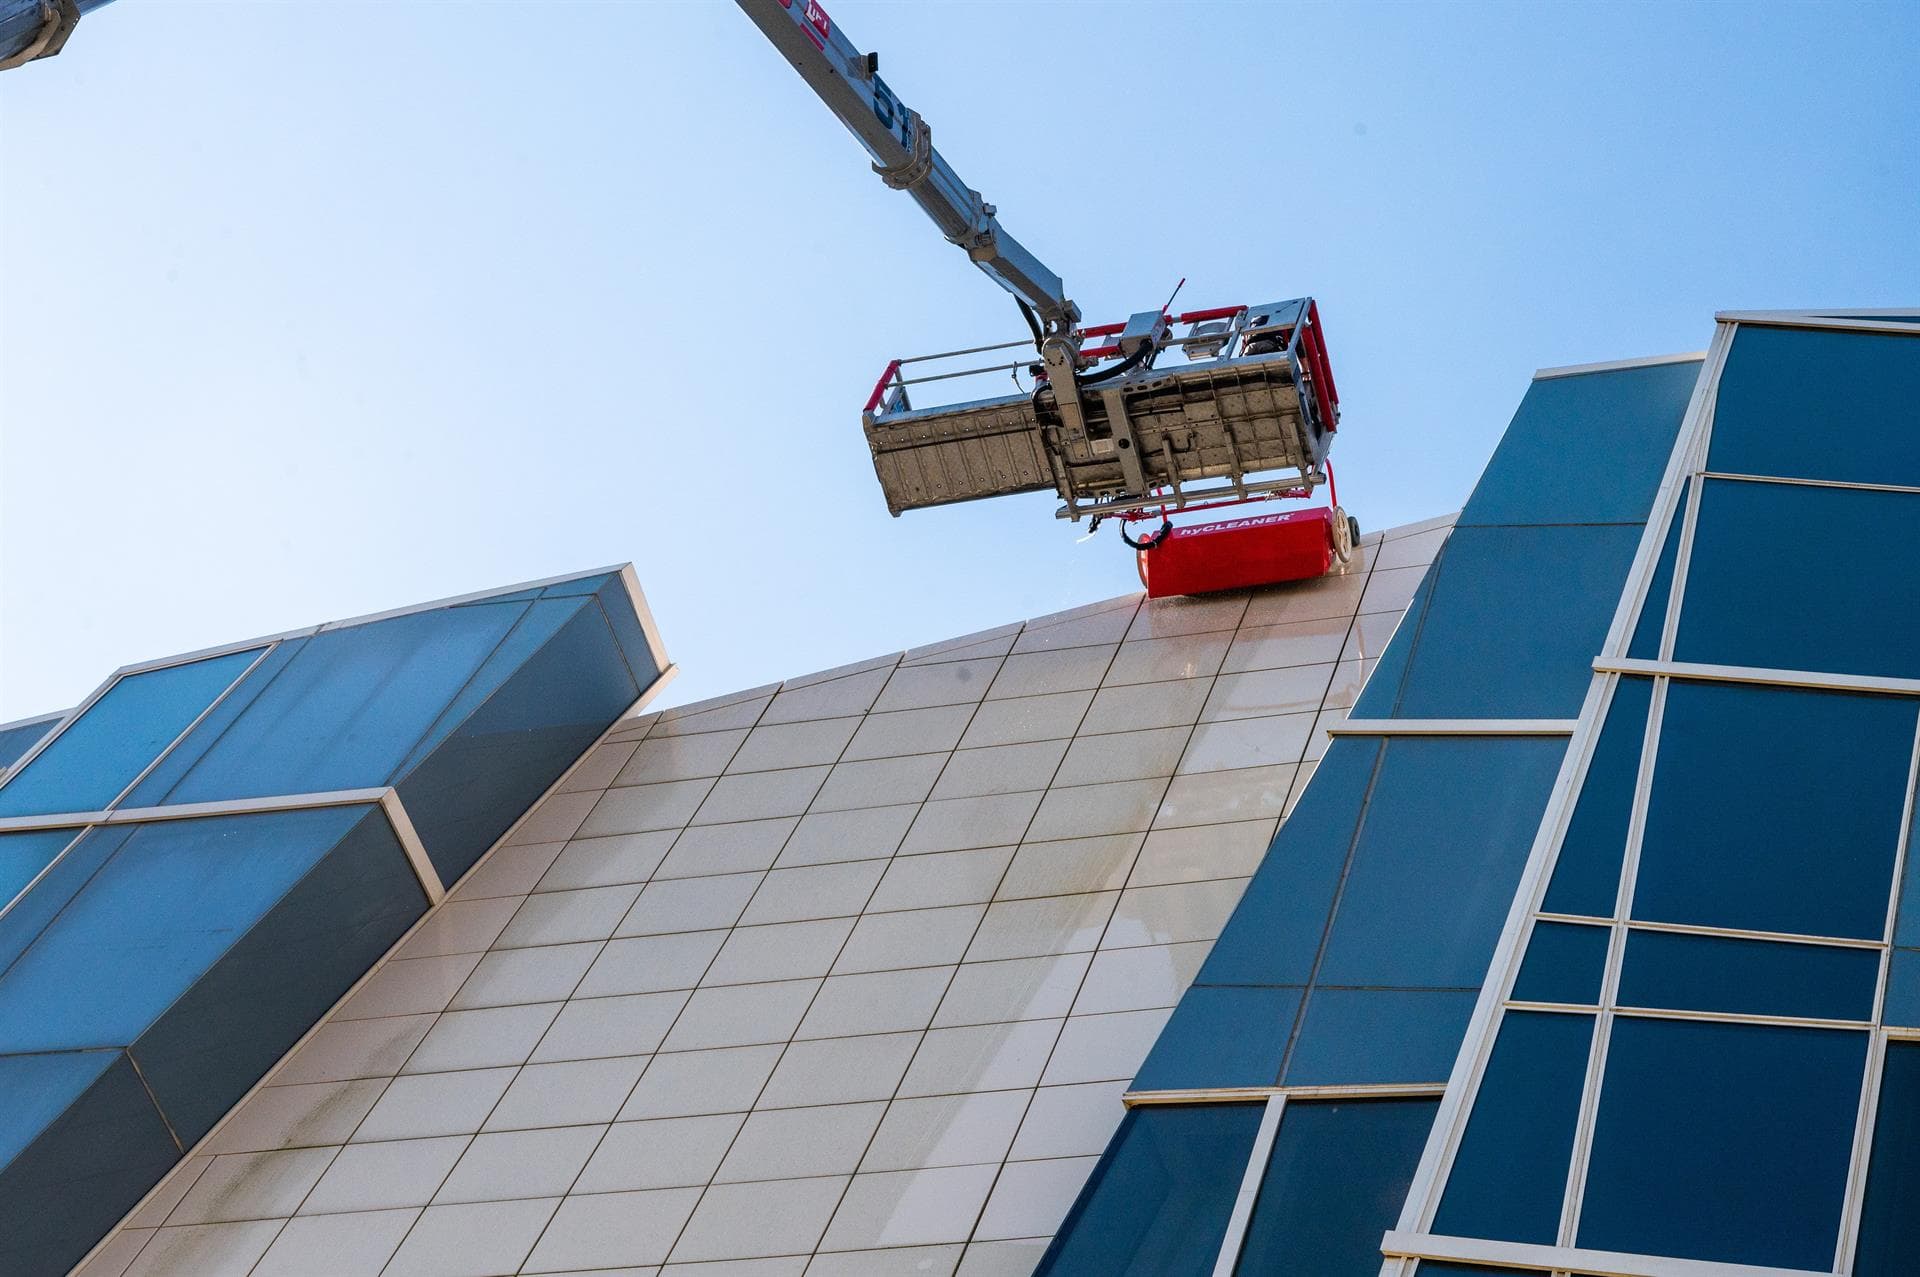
[901,145]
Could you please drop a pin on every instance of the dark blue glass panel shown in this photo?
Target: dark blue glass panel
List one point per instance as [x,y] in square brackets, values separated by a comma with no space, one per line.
[1334,1183]
[1516,619]
[87,766]
[1747,827]
[1815,404]
[1785,576]
[618,606]
[555,701]
[280,977]
[39,1088]
[1890,1214]
[1351,1037]
[1157,1203]
[25,854]
[1586,872]
[1673,972]
[1564,963]
[1275,932]
[156,784]
[1222,1037]
[1651,623]
[1723,1142]
[1586,448]
[1510,1173]
[1382,691]
[346,711]
[172,900]
[87,1165]
[1448,827]
[16,741]
[1903,989]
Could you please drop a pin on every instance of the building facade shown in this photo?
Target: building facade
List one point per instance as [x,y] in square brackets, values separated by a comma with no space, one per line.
[1525,898]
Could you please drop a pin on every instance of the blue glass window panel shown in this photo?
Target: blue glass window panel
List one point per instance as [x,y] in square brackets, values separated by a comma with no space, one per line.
[1157,1203]
[514,596]
[1723,1142]
[535,627]
[1814,404]
[1564,963]
[39,1088]
[345,713]
[559,694]
[156,784]
[16,741]
[1672,972]
[1586,448]
[1232,1036]
[1382,690]
[1335,1182]
[1447,830]
[1586,872]
[582,585]
[1651,623]
[100,753]
[1351,1037]
[1903,989]
[1275,931]
[1785,576]
[1510,1173]
[1516,619]
[1746,827]
[1890,1213]
[24,854]
[174,897]
[64,879]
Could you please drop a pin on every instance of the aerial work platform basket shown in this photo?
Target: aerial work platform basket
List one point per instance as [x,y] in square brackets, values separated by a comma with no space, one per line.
[1250,410]
[1247,414]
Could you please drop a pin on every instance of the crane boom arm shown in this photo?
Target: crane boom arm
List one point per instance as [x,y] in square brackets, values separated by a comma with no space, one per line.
[900,143]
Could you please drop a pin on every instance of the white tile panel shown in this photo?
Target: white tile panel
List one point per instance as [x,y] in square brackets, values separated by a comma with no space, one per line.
[567,1093]
[604,1231]
[800,1142]
[910,1208]
[501,1165]
[671,1152]
[615,860]
[389,1174]
[840,1070]
[947,1130]
[336,1245]
[910,938]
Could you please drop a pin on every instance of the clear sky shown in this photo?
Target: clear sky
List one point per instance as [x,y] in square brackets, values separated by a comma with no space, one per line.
[312,309]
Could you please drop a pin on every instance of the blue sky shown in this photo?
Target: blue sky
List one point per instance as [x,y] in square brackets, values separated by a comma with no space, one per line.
[314,309]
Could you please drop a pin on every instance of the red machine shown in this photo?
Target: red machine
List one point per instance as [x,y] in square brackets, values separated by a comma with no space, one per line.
[1239,553]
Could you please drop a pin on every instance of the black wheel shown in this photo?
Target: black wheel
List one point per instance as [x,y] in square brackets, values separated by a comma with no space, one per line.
[1353,529]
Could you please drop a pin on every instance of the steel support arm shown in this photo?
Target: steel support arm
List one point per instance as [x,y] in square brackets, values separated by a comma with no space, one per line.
[900,143]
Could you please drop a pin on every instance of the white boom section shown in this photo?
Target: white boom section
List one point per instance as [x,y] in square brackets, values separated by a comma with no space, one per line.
[901,145]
